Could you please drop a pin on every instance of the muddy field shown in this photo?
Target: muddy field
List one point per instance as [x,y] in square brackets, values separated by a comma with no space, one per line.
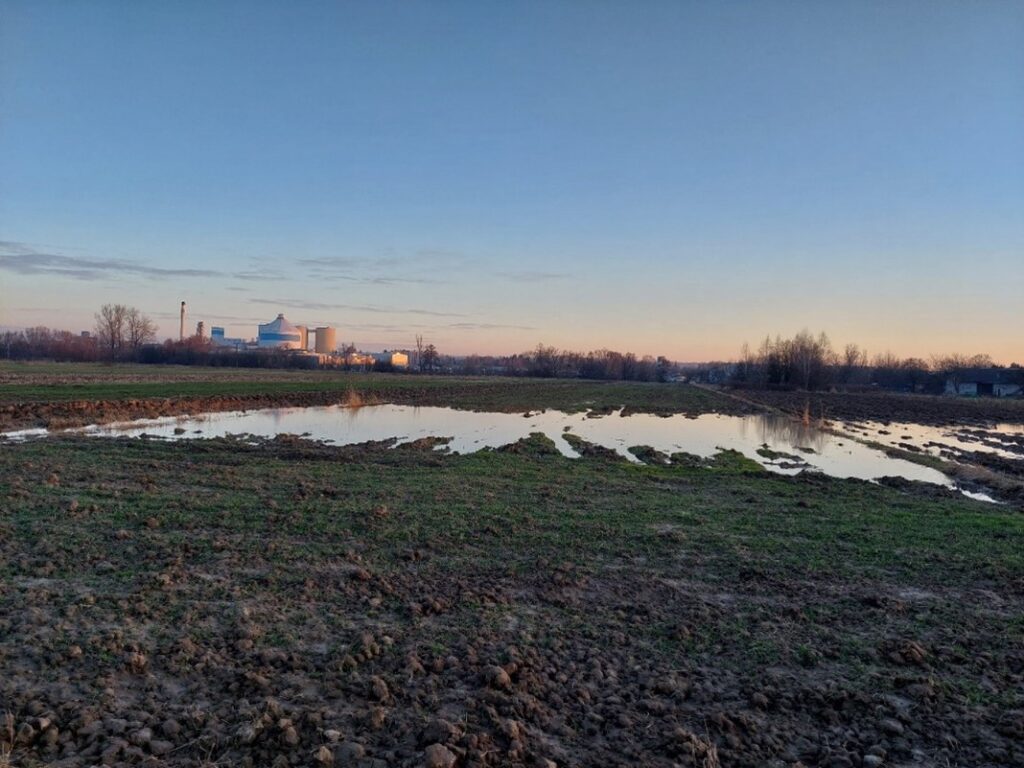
[288,604]
[71,374]
[219,603]
[890,406]
[61,395]
[1003,476]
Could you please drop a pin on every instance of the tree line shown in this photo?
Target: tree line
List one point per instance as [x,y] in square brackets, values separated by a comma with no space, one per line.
[548,362]
[123,333]
[808,361]
[119,333]
[48,344]
[805,361]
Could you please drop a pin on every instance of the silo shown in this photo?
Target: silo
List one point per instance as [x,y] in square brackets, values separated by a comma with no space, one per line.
[326,340]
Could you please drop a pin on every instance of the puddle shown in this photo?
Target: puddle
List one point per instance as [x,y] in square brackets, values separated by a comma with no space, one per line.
[778,443]
[1005,440]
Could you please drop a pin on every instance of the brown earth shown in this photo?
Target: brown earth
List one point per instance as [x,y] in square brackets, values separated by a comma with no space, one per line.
[293,604]
[77,413]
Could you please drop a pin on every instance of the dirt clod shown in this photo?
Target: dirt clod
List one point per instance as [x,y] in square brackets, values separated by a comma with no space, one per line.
[438,756]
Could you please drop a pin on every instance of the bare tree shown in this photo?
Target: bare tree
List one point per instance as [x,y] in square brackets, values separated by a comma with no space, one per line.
[121,329]
[139,329]
[111,322]
[431,358]
[810,356]
[419,352]
[854,358]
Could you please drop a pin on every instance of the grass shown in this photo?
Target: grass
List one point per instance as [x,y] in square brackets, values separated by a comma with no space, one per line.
[587,510]
[276,561]
[60,382]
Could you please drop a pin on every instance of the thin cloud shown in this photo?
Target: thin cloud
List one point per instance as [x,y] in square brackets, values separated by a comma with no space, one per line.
[397,280]
[377,280]
[442,255]
[320,306]
[347,268]
[382,327]
[258,275]
[528,276]
[23,259]
[199,315]
[489,327]
[351,262]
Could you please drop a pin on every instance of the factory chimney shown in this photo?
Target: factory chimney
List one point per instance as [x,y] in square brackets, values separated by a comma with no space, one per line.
[181,328]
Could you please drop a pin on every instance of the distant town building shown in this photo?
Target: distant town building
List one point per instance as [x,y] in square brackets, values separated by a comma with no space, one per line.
[992,382]
[356,359]
[394,358]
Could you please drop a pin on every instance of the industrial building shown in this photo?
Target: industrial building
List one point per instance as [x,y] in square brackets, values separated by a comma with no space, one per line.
[218,339]
[280,334]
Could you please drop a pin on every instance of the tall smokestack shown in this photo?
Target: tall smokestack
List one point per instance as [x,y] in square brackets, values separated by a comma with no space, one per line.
[181,328]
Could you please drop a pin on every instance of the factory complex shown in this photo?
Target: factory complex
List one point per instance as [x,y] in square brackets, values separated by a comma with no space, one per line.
[281,335]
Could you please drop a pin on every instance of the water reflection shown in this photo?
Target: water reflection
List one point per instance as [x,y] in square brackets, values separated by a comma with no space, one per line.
[807,448]
[774,429]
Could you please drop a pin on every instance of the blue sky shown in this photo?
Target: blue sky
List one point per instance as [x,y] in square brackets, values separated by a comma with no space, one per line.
[668,177]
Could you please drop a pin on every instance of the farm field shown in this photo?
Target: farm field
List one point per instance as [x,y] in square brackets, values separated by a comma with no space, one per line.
[60,395]
[284,602]
[891,406]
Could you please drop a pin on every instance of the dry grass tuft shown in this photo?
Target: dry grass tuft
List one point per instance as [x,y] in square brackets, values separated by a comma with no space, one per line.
[355,399]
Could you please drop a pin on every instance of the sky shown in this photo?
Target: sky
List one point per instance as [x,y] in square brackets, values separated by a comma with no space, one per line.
[664,177]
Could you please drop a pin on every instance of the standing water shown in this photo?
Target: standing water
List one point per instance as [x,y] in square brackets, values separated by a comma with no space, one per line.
[778,443]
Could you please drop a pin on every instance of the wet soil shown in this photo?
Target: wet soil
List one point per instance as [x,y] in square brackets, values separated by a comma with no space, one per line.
[294,604]
[892,407]
[34,402]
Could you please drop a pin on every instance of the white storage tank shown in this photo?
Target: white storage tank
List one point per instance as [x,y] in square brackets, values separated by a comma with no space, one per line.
[326,340]
[279,334]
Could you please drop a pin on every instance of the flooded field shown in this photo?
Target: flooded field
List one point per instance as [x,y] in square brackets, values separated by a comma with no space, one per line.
[1004,440]
[175,599]
[780,444]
